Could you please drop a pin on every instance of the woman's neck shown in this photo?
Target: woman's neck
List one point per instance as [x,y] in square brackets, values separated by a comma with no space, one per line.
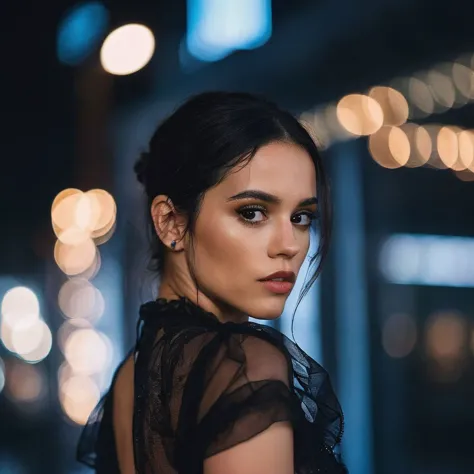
[220,310]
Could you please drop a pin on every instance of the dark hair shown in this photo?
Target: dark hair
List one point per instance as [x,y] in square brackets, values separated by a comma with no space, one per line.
[203,140]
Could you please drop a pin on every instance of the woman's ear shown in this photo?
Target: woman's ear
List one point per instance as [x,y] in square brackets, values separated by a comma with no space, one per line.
[169,223]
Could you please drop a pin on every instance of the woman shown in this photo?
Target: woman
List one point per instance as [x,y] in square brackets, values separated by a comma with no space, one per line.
[233,187]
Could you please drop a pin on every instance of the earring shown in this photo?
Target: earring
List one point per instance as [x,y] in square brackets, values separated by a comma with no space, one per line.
[173,244]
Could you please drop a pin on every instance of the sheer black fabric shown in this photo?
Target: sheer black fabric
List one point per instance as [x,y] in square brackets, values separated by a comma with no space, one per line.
[202,386]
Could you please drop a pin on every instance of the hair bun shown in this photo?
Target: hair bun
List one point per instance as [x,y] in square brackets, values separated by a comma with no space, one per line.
[141,167]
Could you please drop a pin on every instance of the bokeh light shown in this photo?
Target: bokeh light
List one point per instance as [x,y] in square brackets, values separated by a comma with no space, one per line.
[77,216]
[446,334]
[447,344]
[93,270]
[103,212]
[41,350]
[87,351]
[441,88]
[63,217]
[78,396]
[22,330]
[20,306]
[393,103]
[399,335]
[420,145]
[447,143]
[390,147]
[445,86]
[27,339]
[80,32]
[359,114]
[466,151]
[463,79]
[420,96]
[24,383]
[105,235]
[334,128]
[127,49]
[67,328]
[433,129]
[6,335]
[216,28]
[78,298]
[75,259]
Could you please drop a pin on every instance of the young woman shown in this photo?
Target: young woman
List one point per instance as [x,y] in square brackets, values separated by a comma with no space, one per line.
[233,185]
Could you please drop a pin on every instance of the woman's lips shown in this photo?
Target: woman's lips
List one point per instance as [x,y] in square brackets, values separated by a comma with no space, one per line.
[280,287]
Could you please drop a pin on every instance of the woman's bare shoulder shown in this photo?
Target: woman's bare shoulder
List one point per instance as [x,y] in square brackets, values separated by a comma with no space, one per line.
[123,415]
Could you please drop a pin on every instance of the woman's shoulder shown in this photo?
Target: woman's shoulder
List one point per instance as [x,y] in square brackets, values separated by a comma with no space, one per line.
[122,414]
[180,326]
[196,343]
[234,380]
[188,334]
[191,374]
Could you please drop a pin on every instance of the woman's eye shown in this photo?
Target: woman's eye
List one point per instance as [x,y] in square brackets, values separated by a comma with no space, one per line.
[251,215]
[304,219]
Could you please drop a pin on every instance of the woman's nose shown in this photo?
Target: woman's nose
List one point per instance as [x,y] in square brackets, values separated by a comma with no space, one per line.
[284,241]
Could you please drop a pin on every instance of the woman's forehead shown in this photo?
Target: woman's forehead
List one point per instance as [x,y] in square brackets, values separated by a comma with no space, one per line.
[275,168]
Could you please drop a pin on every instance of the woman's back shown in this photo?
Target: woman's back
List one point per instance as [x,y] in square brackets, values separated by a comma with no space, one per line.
[273,448]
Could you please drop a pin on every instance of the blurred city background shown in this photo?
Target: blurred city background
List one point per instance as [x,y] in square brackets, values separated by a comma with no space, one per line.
[386,88]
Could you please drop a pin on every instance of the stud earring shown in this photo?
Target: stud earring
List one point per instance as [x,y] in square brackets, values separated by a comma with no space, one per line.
[173,244]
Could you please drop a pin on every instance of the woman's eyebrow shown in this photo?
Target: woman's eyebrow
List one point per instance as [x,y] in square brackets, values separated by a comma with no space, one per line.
[271,198]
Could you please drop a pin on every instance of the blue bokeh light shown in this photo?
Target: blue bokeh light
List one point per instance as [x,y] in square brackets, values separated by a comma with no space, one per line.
[216,28]
[80,32]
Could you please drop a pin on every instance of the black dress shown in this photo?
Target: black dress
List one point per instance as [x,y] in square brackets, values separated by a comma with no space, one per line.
[202,386]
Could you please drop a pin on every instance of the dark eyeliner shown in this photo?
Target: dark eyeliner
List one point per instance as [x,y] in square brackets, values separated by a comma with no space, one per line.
[313,215]
[249,207]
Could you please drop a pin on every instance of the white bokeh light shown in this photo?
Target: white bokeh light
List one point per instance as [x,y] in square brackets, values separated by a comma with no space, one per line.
[20,305]
[127,49]
[87,352]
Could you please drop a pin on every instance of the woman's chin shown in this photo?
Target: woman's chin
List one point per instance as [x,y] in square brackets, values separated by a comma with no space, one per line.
[269,311]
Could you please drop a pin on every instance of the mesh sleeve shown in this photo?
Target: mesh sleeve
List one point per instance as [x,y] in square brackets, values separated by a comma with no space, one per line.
[206,393]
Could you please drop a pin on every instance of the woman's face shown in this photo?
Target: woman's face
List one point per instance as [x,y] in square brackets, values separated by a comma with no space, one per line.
[240,240]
